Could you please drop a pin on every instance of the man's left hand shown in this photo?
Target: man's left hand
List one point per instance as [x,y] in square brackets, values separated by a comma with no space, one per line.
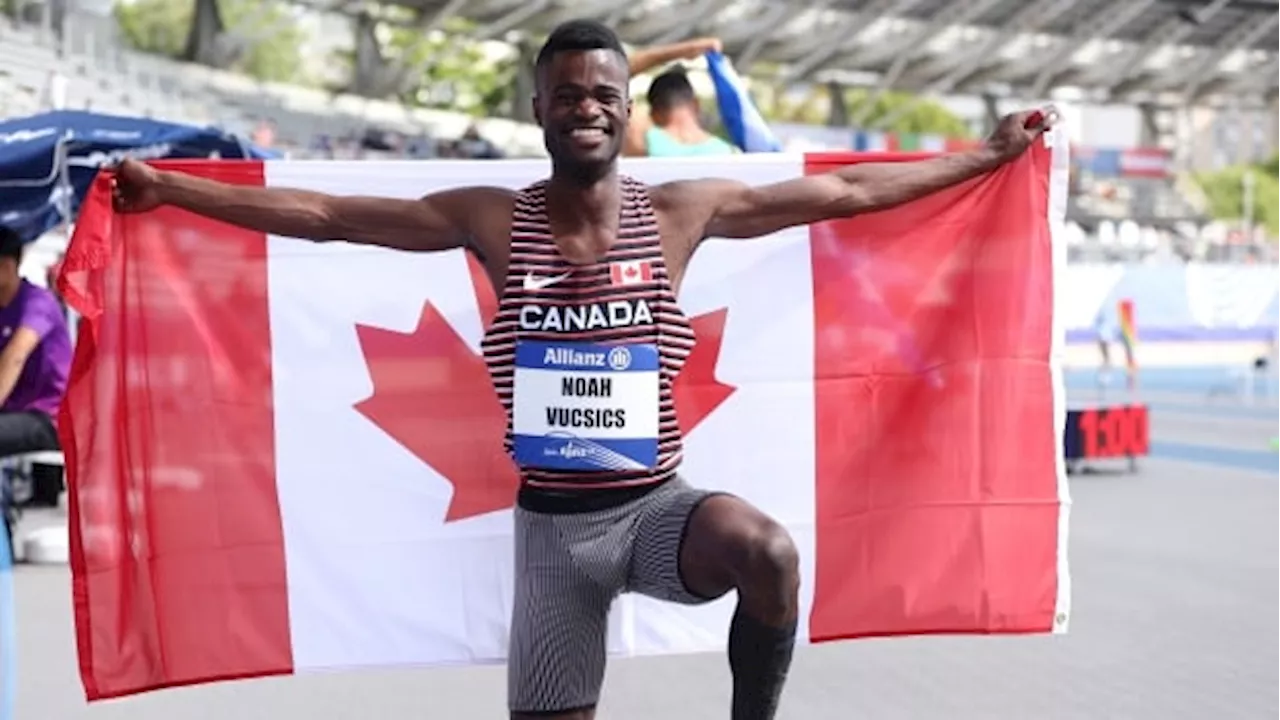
[1013,136]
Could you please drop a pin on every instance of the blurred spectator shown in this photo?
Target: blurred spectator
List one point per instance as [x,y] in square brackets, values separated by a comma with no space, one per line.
[264,134]
[676,129]
[322,145]
[422,147]
[35,357]
[379,140]
[474,147]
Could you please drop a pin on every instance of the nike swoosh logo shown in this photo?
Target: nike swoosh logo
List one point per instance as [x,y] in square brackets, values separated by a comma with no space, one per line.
[533,282]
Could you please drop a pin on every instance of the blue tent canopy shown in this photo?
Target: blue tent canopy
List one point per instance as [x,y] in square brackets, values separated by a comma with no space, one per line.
[48,161]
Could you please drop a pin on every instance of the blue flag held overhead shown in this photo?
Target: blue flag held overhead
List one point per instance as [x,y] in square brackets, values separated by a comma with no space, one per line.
[741,117]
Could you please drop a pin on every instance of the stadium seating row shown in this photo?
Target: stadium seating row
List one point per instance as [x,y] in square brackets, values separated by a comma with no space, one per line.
[104,76]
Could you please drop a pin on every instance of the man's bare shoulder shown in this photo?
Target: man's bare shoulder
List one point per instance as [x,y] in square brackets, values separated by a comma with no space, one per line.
[695,199]
[483,212]
[678,195]
[475,197]
[478,209]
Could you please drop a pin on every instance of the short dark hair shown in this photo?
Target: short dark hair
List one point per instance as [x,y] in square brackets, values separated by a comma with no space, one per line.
[670,90]
[11,245]
[579,36]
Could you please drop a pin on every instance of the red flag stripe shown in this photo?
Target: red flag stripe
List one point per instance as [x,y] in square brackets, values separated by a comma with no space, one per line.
[927,521]
[177,544]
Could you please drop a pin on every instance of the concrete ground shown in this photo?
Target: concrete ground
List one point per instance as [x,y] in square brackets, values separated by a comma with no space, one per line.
[1174,616]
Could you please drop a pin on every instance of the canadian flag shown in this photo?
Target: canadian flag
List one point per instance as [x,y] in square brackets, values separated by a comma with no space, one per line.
[631,272]
[287,456]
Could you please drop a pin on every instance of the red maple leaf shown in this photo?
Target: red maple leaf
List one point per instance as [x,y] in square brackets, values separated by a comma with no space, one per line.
[696,390]
[432,394]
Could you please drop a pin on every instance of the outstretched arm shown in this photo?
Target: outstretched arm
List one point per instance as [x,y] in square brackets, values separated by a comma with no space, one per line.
[646,59]
[741,211]
[439,221]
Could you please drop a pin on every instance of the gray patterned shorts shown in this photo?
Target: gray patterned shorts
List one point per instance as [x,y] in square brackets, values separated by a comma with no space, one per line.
[569,568]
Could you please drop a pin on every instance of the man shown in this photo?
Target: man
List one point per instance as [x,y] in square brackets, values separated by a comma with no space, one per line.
[673,127]
[475,146]
[596,517]
[676,122]
[35,356]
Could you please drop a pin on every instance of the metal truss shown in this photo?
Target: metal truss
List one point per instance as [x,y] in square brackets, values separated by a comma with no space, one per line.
[754,33]
[1030,18]
[1126,74]
[1098,27]
[846,35]
[916,44]
[519,14]
[583,8]
[1257,80]
[797,39]
[805,39]
[1240,37]
[659,29]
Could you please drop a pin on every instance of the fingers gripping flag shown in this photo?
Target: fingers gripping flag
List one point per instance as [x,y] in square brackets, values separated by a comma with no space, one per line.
[897,370]
[738,112]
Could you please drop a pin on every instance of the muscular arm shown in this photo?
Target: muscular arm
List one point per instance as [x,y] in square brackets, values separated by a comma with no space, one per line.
[742,211]
[14,357]
[734,210]
[440,221]
[646,59]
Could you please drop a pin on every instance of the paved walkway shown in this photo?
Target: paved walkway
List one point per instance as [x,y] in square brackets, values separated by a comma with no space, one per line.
[1174,616]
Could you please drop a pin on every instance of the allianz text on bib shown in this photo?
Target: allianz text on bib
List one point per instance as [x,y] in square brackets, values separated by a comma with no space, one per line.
[585,406]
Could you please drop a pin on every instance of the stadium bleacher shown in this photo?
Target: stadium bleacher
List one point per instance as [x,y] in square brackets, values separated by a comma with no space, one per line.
[103,76]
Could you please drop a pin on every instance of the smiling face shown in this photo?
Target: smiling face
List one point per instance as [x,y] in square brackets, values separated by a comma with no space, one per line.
[582,104]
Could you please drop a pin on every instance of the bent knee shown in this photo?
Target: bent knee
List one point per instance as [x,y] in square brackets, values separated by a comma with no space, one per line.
[770,555]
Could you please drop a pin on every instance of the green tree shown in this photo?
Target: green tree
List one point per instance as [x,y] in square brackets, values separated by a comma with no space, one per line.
[274,40]
[446,69]
[804,107]
[906,113]
[1271,165]
[1225,191]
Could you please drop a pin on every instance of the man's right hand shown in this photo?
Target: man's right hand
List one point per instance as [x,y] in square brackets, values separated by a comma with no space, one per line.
[135,187]
[646,59]
[698,47]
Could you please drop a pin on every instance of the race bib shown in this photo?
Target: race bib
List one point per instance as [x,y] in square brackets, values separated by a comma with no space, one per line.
[585,406]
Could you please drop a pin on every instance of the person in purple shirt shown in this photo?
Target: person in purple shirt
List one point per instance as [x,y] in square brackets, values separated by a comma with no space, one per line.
[35,356]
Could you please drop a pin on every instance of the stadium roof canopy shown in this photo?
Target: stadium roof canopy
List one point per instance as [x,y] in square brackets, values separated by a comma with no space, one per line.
[1162,51]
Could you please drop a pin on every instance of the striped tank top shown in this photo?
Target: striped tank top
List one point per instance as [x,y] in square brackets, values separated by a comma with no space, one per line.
[583,358]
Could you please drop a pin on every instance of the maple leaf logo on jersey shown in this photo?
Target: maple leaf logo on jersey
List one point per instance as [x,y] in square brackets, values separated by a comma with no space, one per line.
[432,394]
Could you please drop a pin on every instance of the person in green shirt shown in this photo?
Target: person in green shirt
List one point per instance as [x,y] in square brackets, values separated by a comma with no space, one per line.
[673,127]
[677,125]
